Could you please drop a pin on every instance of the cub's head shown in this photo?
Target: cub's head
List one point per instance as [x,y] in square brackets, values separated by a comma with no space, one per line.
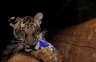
[27,27]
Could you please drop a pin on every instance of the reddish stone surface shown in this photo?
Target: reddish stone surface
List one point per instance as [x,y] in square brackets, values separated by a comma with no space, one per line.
[77,43]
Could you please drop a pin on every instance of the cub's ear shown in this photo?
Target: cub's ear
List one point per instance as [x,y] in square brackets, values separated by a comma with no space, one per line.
[38,17]
[10,20]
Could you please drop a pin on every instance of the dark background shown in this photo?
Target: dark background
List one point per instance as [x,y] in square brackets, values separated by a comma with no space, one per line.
[58,14]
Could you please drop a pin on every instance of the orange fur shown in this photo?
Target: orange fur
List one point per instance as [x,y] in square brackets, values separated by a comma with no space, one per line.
[77,43]
[19,57]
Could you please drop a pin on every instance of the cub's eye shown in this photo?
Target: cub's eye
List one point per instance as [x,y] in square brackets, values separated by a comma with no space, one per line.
[22,25]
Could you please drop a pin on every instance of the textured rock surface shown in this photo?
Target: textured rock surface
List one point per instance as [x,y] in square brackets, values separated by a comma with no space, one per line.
[77,43]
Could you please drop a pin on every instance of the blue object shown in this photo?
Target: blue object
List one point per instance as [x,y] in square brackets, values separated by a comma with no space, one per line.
[43,43]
